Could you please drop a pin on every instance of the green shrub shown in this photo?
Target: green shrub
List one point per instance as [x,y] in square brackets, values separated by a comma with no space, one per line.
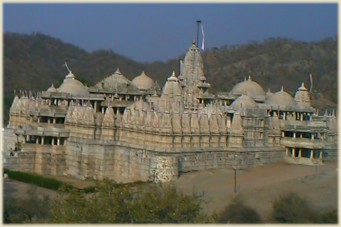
[32,209]
[290,208]
[34,179]
[329,216]
[237,212]
[115,203]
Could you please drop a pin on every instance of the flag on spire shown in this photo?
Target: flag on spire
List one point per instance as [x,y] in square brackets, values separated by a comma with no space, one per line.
[203,37]
[311,82]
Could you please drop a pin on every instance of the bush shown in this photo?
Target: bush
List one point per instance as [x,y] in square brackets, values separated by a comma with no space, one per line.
[237,212]
[30,210]
[114,203]
[41,181]
[38,180]
[329,216]
[291,208]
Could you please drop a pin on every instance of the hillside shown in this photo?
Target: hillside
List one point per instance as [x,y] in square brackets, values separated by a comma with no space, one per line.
[34,62]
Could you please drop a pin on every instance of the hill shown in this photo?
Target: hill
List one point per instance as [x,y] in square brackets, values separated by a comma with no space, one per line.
[35,61]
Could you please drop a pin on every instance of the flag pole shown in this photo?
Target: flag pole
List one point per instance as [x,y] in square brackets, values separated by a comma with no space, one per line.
[198,26]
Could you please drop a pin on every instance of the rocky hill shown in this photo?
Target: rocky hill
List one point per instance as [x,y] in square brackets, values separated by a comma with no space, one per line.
[35,61]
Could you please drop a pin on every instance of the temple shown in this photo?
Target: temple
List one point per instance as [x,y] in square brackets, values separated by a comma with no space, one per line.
[135,131]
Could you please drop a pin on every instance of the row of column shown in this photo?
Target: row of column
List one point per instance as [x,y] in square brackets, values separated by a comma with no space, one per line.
[297,115]
[312,135]
[41,140]
[292,153]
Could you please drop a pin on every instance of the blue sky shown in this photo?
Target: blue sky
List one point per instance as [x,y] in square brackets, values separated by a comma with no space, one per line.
[149,32]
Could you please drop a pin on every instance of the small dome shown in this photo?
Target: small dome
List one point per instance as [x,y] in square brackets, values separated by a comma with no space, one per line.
[245,102]
[280,98]
[52,89]
[72,86]
[114,81]
[143,82]
[249,87]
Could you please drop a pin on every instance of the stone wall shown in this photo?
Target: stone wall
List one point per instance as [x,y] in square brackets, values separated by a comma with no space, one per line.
[241,158]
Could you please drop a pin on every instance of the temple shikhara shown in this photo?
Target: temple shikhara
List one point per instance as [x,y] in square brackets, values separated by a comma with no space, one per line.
[138,131]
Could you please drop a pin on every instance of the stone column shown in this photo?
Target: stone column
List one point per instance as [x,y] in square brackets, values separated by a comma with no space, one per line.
[95,106]
[37,140]
[311,154]
[293,152]
[52,141]
[301,117]
[284,115]
[312,136]
[300,153]
[54,120]
[38,118]
[58,141]
[321,154]
[282,133]
[294,134]
[48,120]
[42,140]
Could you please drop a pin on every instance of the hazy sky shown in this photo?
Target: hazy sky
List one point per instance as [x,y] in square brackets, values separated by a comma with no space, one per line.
[148,32]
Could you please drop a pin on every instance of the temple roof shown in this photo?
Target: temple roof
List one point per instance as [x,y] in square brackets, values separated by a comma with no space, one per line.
[73,86]
[253,89]
[143,81]
[245,102]
[280,98]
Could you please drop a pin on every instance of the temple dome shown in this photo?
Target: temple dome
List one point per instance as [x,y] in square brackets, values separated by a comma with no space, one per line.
[245,102]
[249,87]
[143,82]
[114,81]
[52,89]
[280,98]
[72,86]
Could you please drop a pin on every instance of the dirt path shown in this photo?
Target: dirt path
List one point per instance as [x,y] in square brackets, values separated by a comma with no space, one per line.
[260,186]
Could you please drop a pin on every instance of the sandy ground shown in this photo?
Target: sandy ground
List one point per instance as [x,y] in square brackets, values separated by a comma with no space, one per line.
[258,187]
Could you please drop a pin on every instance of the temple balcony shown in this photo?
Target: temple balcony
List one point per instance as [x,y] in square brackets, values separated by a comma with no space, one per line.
[303,142]
[44,131]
